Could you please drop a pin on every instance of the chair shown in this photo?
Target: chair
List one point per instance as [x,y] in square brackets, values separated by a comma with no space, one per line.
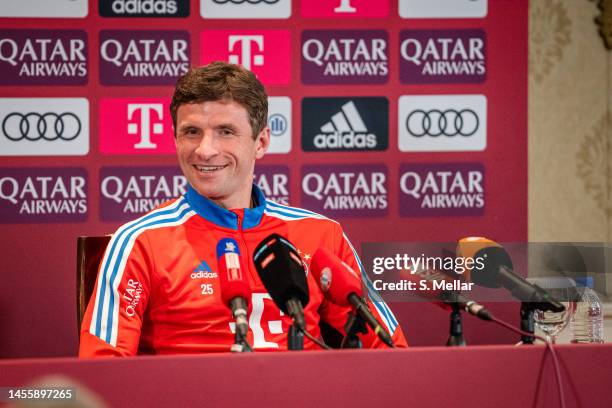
[90,251]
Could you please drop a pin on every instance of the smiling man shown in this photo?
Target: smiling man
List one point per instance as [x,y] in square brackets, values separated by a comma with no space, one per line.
[157,290]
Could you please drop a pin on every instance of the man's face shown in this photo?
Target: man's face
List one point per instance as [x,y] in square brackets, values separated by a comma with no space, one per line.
[216,150]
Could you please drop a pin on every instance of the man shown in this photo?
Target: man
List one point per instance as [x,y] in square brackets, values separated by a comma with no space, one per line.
[157,290]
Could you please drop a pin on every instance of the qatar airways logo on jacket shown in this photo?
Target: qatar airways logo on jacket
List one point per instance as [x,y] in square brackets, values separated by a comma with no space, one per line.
[345,56]
[273,181]
[43,57]
[358,190]
[265,52]
[443,56]
[35,195]
[136,126]
[442,189]
[135,57]
[128,192]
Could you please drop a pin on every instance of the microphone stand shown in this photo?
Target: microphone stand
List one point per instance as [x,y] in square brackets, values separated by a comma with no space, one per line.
[527,322]
[241,345]
[295,340]
[354,324]
[295,337]
[456,328]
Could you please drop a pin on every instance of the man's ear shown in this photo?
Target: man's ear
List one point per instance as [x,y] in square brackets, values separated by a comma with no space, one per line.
[262,143]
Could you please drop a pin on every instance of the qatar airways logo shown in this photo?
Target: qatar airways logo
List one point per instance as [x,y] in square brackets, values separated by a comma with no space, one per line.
[273,181]
[134,57]
[265,52]
[128,192]
[43,57]
[443,56]
[136,126]
[346,190]
[345,57]
[442,189]
[34,195]
[345,9]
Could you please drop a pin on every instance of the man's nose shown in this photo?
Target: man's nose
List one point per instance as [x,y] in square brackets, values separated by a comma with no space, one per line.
[207,147]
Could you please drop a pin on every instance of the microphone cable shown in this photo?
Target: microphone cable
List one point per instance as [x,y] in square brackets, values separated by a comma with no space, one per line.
[314,340]
[549,346]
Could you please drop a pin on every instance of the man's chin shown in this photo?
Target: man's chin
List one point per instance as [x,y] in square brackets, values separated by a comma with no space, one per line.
[210,193]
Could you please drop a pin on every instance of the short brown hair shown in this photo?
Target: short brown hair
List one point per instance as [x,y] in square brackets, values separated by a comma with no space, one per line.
[221,80]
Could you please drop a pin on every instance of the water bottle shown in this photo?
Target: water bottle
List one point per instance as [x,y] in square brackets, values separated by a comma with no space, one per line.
[587,322]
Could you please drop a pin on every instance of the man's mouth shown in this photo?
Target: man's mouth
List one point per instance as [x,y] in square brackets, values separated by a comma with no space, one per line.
[209,169]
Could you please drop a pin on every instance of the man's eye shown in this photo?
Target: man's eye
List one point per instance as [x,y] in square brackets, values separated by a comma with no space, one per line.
[227,132]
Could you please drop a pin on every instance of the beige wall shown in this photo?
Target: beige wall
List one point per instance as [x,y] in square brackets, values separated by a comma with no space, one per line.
[570,139]
[569,132]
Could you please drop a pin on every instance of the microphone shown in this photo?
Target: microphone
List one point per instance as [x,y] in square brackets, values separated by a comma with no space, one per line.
[341,285]
[497,271]
[235,290]
[281,270]
[435,281]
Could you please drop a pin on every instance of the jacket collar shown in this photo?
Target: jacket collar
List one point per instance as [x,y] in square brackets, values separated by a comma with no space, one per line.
[207,209]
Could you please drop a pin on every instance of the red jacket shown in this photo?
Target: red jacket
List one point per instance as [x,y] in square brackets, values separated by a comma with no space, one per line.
[158,291]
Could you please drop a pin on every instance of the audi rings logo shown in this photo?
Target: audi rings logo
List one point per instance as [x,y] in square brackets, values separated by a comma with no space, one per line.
[232,9]
[442,123]
[435,122]
[36,126]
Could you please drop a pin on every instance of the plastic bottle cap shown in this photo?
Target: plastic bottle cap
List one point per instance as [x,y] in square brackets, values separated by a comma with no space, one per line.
[584,281]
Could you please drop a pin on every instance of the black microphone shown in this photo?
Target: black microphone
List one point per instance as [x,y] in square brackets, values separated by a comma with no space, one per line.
[448,297]
[497,271]
[281,270]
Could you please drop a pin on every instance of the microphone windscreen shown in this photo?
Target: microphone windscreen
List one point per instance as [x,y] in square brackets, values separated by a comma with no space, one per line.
[492,255]
[469,247]
[336,279]
[232,274]
[281,270]
[493,258]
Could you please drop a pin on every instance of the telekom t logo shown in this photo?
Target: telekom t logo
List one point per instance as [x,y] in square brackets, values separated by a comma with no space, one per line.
[245,44]
[265,52]
[135,126]
[144,128]
[255,322]
[345,7]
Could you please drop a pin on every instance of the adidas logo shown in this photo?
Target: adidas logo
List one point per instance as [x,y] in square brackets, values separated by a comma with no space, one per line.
[203,271]
[345,130]
[160,7]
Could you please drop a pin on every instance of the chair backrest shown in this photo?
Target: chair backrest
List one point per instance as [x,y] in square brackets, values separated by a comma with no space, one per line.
[89,255]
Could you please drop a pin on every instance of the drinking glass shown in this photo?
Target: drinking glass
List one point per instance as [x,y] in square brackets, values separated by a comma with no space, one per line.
[562,289]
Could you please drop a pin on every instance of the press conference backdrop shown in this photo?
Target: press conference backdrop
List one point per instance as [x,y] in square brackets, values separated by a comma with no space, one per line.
[406,120]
